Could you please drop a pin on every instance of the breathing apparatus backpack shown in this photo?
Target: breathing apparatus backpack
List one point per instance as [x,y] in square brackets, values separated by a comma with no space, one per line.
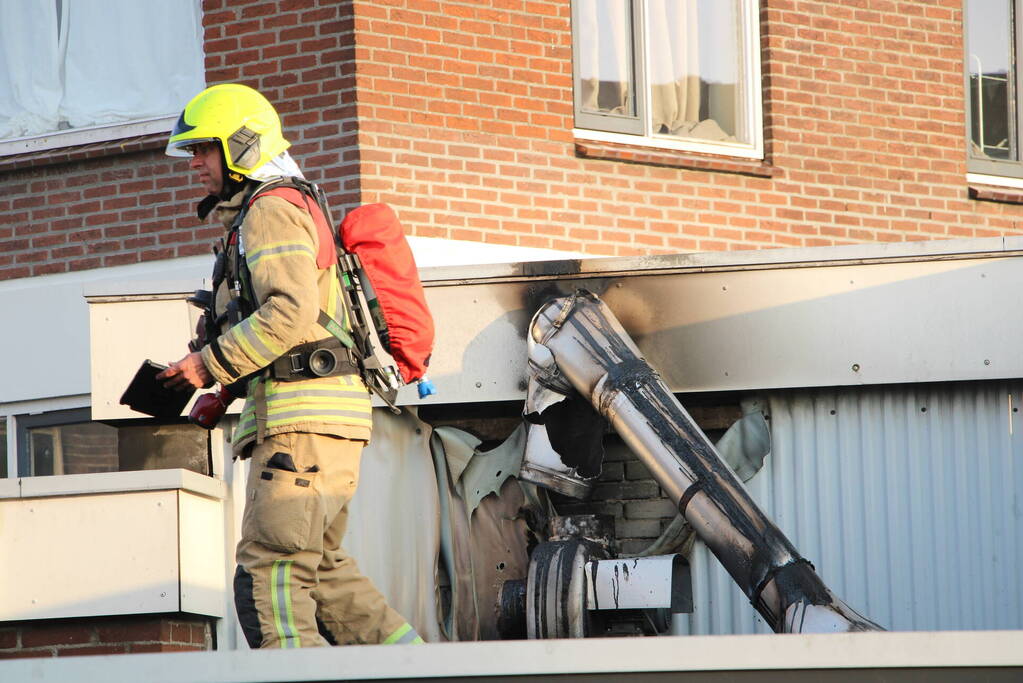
[392,328]
[392,331]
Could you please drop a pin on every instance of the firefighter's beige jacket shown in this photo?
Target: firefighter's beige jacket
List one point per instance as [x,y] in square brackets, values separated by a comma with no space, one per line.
[279,243]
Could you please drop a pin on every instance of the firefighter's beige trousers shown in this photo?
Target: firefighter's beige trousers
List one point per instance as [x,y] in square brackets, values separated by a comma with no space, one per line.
[292,572]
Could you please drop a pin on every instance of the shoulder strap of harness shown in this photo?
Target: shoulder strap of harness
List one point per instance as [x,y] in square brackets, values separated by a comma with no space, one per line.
[304,195]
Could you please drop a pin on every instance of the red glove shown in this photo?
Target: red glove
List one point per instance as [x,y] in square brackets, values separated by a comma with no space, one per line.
[209,408]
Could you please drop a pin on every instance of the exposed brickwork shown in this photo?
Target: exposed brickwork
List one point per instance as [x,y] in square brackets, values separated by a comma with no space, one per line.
[460,114]
[106,635]
[90,447]
[628,492]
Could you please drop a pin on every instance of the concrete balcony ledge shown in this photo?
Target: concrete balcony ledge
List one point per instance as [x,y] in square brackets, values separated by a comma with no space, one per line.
[931,656]
[113,543]
[113,482]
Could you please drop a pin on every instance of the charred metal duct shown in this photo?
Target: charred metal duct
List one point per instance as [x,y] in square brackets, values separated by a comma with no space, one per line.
[588,350]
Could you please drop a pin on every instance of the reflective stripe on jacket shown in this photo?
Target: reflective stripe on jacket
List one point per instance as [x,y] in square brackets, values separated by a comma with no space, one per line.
[280,243]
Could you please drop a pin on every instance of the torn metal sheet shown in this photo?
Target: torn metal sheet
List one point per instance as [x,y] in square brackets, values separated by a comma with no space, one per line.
[484,531]
[747,442]
[564,442]
[396,466]
[457,446]
[486,471]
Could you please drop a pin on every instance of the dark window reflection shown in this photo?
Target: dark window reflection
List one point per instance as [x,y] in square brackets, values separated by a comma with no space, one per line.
[991,66]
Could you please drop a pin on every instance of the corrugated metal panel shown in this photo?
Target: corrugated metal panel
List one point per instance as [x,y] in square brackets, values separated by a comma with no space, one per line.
[907,499]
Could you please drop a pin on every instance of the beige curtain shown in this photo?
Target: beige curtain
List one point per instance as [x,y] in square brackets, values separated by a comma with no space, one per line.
[674,65]
[605,56]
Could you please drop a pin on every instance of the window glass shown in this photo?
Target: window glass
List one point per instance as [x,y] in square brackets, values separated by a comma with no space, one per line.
[606,58]
[65,442]
[67,64]
[72,449]
[694,47]
[678,73]
[990,66]
[160,447]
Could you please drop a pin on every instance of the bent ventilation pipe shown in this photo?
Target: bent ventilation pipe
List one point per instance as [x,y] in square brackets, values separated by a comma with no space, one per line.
[585,347]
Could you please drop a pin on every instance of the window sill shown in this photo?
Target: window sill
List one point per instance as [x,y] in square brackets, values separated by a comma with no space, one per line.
[996,193]
[636,154]
[95,150]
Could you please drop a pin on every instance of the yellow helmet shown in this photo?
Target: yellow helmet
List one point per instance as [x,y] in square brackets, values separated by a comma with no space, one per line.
[243,121]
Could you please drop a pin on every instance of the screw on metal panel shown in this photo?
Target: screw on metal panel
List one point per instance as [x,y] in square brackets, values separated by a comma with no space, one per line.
[987,362]
[724,288]
[856,367]
[479,384]
[163,595]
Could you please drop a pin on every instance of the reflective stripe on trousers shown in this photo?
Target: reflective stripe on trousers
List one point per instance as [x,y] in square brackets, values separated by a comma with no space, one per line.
[280,596]
[405,635]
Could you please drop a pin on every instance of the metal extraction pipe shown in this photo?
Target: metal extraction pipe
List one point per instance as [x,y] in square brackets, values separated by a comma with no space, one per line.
[592,353]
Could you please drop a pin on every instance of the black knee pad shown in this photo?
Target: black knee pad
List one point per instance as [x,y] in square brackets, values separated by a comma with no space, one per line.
[245,606]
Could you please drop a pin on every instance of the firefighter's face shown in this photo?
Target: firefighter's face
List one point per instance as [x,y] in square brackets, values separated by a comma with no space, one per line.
[206,162]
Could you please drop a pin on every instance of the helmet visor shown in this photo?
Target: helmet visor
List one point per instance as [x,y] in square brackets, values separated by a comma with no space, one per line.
[182,138]
[183,148]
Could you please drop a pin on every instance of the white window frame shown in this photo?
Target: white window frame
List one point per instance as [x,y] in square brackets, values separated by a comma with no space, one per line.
[749,21]
[86,135]
[48,420]
[15,414]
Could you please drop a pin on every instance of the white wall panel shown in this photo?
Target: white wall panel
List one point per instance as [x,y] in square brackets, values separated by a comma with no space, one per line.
[112,543]
[907,499]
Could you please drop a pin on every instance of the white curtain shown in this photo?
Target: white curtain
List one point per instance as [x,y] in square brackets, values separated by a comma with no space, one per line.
[674,64]
[31,48]
[96,62]
[605,56]
[153,67]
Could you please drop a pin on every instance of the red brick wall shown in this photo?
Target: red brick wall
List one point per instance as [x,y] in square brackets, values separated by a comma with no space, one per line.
[98,206]
[463,122]
[105,636]
[466,115]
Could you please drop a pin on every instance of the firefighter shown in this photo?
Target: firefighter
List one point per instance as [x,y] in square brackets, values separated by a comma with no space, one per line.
[303,432]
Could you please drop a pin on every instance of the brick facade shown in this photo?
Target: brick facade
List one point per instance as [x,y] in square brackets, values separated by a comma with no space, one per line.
[460,115]
[105,636]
